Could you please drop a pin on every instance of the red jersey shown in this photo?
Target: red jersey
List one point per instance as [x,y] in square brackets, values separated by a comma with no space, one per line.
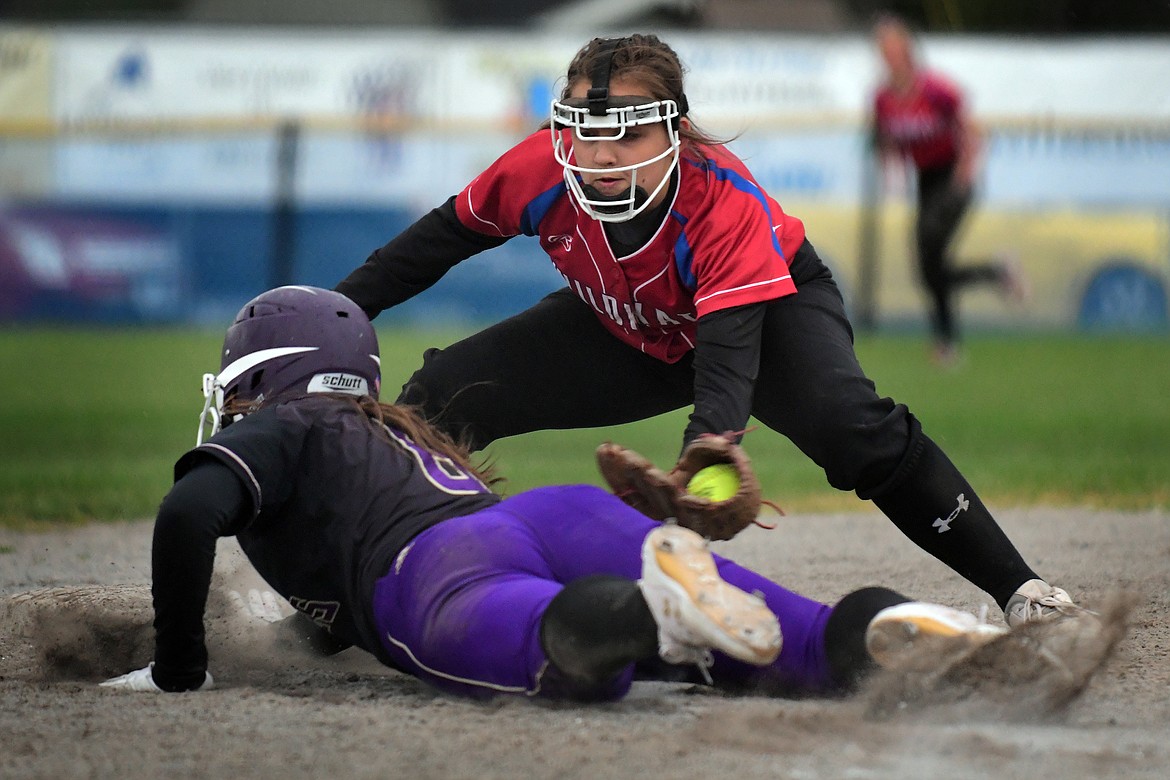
[924,123]
[723,243]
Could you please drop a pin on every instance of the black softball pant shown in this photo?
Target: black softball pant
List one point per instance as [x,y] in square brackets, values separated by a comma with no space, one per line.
[554,366]
[941,208]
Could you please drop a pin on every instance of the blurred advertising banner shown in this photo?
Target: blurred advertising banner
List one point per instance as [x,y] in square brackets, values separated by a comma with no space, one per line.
[26,75]
[184,135]
[26,105]
[487,80]
[75,264]
[228,76]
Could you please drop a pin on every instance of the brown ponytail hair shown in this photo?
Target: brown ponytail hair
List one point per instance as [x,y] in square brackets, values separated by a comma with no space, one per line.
[408,420]
[405,419]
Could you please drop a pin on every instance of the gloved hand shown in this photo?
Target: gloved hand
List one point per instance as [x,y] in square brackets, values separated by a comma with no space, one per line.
[142,681]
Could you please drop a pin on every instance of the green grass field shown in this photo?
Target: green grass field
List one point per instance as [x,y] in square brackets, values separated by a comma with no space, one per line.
[92,421]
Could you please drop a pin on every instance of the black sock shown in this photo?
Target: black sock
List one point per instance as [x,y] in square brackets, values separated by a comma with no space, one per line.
[935,506]
[849,661]
[595,628]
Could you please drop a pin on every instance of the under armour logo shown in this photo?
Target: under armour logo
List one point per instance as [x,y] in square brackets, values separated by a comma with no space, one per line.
[564,239]
[945,525]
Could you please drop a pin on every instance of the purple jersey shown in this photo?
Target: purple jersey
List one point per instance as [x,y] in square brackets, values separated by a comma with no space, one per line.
[334,499]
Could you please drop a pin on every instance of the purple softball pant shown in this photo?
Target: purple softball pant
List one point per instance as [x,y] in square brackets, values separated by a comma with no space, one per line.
[461,608]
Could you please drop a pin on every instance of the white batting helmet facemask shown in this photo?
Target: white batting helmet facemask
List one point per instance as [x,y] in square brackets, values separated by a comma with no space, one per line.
[600,118]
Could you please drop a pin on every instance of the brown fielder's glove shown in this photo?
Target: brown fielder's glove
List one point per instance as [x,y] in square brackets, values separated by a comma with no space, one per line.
[662,495]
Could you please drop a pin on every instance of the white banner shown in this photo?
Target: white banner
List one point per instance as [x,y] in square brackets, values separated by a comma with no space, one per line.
[192,115]
[1080,79]
[105,76]
[147,74]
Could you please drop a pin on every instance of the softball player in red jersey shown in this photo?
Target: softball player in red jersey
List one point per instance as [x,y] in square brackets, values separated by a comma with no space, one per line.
[919,117]
[686,284]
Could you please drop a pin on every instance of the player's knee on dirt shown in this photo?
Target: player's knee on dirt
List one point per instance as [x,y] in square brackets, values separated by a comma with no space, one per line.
[595,628]
[849,662]
[303,633]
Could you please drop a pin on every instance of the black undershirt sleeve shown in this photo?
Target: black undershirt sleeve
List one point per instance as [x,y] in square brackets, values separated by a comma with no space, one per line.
[208,502]
[414,260]
[727,361]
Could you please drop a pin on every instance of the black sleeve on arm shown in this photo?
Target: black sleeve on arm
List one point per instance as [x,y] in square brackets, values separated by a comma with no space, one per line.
[414,260]
[727,361]
[208,502]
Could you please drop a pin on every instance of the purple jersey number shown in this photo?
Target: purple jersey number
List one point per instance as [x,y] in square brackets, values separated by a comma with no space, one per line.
[441,471]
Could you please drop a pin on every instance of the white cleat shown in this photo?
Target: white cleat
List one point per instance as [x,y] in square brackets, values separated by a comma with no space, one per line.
[696,610]
[1016,287]
[1037,601]
[896,634]
[142,680]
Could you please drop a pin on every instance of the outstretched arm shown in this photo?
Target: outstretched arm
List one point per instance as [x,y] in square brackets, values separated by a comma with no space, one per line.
[206,503]
[727,361]
[414,260]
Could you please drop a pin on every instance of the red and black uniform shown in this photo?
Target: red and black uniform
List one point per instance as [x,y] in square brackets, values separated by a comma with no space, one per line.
[923,122]
[715,298]
[924,125]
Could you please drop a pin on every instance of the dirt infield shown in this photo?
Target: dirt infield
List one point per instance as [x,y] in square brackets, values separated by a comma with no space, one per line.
[276,713]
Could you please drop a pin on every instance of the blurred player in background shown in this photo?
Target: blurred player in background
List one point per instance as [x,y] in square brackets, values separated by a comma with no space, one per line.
[378,529]
[685,284]
[920,122]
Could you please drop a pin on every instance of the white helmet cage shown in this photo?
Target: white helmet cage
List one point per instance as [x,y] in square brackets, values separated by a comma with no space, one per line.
[600,118]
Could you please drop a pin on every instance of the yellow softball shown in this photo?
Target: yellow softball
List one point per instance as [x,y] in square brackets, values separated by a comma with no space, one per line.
[717,483]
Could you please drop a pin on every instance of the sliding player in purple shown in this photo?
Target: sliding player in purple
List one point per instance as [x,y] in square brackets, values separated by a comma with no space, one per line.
[686,284]
[378,529]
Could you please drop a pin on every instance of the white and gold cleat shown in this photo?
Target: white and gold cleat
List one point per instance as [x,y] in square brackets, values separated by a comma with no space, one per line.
[897,634]
[1037,602]
[696,610]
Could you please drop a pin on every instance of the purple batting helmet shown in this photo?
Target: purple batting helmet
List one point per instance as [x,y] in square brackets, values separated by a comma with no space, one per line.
[293,340]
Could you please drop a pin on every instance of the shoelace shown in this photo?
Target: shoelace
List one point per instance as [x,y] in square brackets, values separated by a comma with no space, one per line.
[701,657]
[1036,609]
[1064,607]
